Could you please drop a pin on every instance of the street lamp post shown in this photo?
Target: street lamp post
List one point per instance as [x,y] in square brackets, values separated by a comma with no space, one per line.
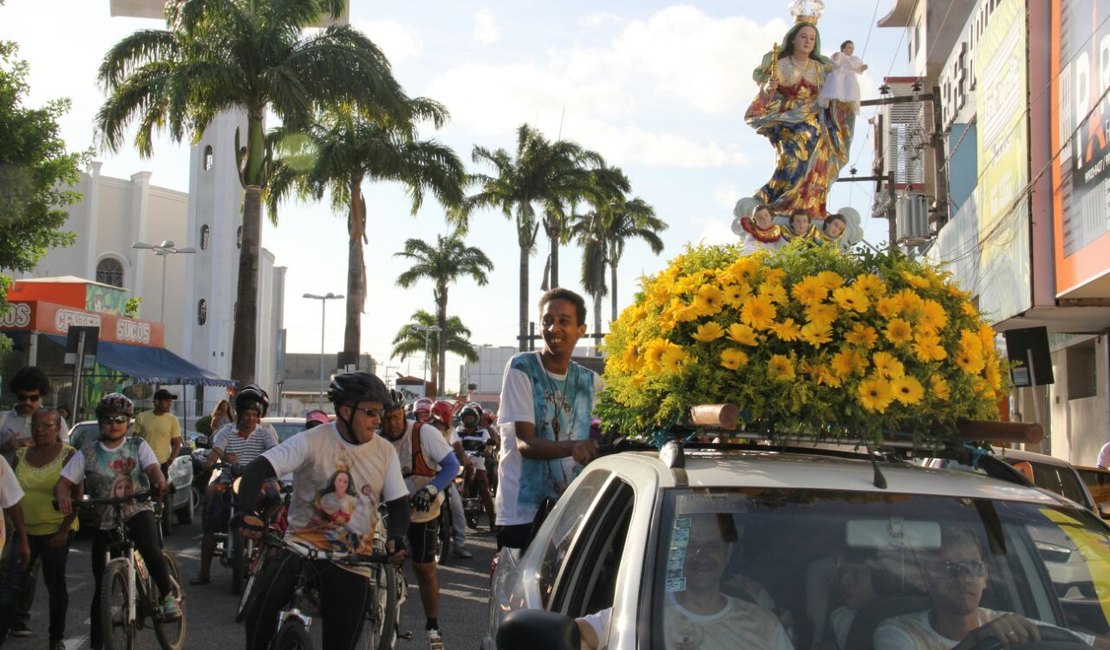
[427,329]
[323,315]
[163,250]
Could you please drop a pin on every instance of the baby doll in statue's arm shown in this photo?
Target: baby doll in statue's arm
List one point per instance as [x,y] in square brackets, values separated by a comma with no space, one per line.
[842,84]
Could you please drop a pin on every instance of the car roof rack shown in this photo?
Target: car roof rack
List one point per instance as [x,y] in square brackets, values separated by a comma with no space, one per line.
[722,421]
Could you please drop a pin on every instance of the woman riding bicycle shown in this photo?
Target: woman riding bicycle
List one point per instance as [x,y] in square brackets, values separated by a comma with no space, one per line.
[477,442]
[102,466]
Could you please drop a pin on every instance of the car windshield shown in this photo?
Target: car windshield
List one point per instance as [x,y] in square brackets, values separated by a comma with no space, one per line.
[287,430]
[804,568]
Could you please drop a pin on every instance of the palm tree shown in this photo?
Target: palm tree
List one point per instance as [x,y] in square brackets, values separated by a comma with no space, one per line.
[548,173]
[346,147]
[239,55]
[443,263]
[410,341]
[603,231]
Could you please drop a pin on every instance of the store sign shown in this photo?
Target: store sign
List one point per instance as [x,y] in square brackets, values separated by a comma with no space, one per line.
[50,318]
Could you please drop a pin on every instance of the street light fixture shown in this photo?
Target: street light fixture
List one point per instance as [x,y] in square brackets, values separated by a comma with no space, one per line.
[427,329]
[323,315]
[163,250]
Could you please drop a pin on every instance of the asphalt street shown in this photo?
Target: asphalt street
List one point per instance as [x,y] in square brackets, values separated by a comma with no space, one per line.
[463,586]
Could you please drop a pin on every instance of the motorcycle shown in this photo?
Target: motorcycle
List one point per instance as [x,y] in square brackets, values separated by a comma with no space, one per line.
[232,548]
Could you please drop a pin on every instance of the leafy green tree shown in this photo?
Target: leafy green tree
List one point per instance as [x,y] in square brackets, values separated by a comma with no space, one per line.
[409,341]
[544,173]
[344,148]
[443,263]
[36,172]
[249,56]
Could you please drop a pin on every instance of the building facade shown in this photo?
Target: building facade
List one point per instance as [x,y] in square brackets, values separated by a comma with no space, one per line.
[1022,220]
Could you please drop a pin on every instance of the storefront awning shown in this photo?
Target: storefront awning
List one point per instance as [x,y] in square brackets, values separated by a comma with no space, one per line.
[149,365]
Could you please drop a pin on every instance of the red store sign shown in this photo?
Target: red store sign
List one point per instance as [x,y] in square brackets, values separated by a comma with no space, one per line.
[49,318]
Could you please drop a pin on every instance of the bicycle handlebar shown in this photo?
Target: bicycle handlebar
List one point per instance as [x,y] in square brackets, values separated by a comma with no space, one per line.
[86,502]
[339,557]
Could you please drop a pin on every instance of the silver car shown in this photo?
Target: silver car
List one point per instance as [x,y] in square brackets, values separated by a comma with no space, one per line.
[625,548]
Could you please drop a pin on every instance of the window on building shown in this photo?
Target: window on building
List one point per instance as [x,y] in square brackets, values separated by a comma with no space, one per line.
[205,234]
[209,158]
[202,311]
[110,271]
[1082,371]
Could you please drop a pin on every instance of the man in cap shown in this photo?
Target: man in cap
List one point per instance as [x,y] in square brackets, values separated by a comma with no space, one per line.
[160,429]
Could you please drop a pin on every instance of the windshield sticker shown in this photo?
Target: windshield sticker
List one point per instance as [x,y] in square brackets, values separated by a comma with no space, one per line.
[676,558]
[692,504]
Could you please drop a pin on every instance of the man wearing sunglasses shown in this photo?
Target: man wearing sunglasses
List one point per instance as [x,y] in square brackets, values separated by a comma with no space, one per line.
[29,386]
[955,578]
[341,472]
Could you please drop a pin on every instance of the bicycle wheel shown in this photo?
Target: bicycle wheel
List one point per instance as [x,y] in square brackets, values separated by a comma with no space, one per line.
[115,597]
[292,636]
[171,634]
[383,611]
[446,532]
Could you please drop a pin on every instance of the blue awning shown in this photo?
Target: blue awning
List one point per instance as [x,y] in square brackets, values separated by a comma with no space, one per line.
[146,365]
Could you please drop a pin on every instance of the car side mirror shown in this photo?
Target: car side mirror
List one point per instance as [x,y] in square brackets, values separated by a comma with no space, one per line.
[537,629]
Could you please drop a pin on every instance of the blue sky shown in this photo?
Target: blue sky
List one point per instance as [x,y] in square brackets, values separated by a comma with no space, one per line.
[657,88]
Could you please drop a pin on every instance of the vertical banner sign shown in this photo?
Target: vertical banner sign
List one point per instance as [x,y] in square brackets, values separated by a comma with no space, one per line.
[1027,350]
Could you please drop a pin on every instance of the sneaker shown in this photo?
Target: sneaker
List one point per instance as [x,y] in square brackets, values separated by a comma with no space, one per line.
[171,611]
[435,641]
[20,629]
[460,551]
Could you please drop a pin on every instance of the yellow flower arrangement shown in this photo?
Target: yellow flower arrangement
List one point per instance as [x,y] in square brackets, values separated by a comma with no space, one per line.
[806,340]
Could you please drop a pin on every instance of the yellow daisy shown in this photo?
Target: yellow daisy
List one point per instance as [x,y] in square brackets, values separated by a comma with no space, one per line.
[824,312]
[743,334]
[734,295]
[759,312]
[780,368]
[862,335]
[787,330]
[708,332]
[899,332]
[871,284]
[970,361]
[653,354]
[887,307]
[844,363]
[928,348]
[933,315]
[915,280]
[809,290]
[851,299]
[817,333]
[831,279]
[886,365]
[742,270]
[733,358]
[674,356]
[776,293]
[938,386]
[907,389]
[875,394]
[708,301]
[774,276]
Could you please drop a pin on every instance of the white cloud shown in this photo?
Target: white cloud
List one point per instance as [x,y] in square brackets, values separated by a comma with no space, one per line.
[486,29]
[599,18]
[715,231]
[727,197]
[399,43]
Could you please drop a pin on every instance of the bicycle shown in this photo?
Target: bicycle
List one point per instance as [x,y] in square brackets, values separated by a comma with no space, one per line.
[128,595]
[232,548]
[383,614]
[278,525]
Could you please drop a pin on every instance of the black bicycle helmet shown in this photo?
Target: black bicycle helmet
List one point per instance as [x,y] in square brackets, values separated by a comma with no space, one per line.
[114,404]
[355,387]
[253,397]
[473,408]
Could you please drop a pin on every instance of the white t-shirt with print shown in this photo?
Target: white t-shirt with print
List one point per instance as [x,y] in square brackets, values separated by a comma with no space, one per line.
[10,493]
[739,624]
[320,513]
[518,404]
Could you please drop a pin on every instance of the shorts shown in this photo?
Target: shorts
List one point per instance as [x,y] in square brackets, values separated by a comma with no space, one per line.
[424,541]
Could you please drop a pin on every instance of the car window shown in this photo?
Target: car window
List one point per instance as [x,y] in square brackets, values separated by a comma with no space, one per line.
[563,524]
[1060,480]
[786,564]
[83,434]
[1098,484]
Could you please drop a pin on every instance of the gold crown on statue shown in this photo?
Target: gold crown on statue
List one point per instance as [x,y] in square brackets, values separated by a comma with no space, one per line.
[807,11]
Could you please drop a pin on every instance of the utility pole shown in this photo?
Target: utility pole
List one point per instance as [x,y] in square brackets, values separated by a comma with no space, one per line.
[936,141]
